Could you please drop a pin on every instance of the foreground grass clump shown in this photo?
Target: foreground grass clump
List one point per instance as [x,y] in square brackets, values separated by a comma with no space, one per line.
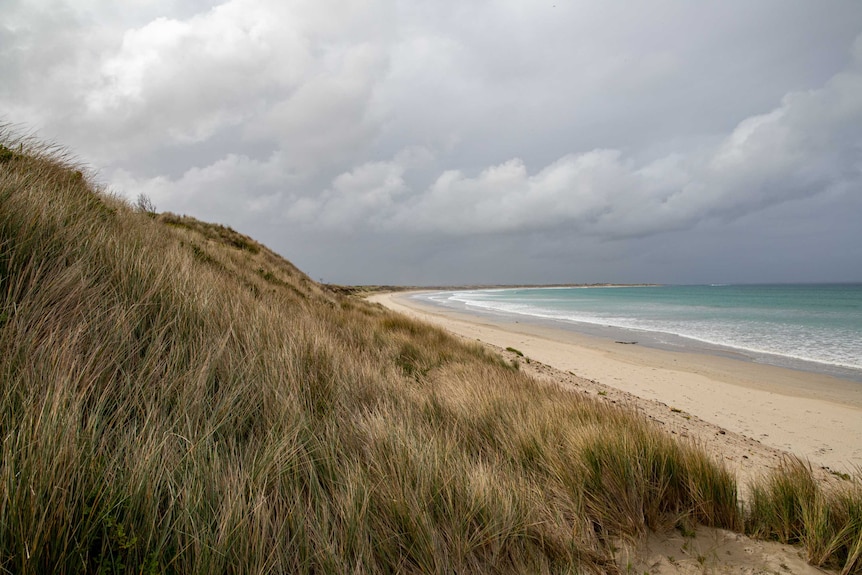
[790,506]
[176,398]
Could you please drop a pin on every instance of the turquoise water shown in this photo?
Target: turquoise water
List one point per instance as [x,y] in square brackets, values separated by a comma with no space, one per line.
[815,324]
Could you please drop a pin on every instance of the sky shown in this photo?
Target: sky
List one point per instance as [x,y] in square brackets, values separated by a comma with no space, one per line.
[440,142]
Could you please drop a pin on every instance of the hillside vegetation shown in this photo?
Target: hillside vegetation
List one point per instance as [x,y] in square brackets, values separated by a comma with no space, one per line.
[176,398]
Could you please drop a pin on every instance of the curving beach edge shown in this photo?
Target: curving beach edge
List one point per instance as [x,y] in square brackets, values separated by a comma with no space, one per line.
[743,414]
[747,414]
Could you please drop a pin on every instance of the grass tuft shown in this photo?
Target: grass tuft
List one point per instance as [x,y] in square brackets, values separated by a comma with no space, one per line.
[789,506]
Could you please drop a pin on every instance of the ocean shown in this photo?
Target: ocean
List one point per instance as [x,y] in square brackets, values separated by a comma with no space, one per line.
[813,327]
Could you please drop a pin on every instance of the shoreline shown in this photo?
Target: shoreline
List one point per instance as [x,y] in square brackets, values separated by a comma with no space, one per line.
[664,340]
[710,398]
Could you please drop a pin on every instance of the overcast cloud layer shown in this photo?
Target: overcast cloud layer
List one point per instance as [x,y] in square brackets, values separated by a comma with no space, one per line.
[470,141]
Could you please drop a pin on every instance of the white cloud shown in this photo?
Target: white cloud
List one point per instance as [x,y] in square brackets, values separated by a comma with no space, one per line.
[505,198]
[295,75]
[234,184]
[364,196]
[269,65]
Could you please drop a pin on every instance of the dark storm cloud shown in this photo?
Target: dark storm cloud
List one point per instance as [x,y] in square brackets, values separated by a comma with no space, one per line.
[469,141]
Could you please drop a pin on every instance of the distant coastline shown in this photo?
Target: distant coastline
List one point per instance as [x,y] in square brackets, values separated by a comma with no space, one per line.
[373,289]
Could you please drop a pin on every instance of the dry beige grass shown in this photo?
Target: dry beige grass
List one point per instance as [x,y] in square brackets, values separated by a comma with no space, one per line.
[174,397]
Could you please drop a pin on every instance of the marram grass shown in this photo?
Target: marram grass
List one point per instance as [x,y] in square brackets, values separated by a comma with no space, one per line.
[175,398]
[790,506]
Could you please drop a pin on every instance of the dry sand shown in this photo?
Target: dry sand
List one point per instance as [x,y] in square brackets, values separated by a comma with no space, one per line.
[748,415]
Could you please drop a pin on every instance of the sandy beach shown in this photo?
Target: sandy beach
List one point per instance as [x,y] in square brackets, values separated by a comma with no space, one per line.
[749,415]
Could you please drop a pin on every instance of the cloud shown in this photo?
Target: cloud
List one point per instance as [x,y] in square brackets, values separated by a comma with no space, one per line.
[362,197]
[415,130]
[806,145]
[297,76]
[234,184]
[274,69]
[575,190]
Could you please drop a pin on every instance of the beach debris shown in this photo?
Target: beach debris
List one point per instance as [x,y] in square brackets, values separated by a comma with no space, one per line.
[627,342]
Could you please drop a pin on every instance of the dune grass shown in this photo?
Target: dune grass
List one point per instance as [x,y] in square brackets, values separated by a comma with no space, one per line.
[176,398]
[790,506]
